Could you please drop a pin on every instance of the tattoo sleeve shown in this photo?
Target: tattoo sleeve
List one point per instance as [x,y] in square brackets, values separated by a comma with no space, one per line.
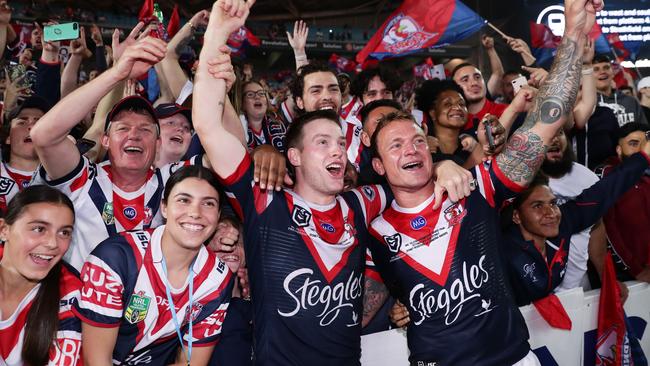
[524,152]
[374,297]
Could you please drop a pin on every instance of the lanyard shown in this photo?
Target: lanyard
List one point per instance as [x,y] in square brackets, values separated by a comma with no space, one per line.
[172,308]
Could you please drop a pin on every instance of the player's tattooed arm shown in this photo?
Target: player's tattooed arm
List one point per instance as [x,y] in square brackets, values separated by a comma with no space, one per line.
[524,152]
[375,294]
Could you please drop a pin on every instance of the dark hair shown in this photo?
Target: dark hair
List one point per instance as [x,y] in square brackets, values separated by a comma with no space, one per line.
[360,83]
[294,133]
[42,321]
[628,128]
[297,85]
[385,121]
[428,92]
[512,72]
[458,67]
[602,57]
[368,108]
[190,171]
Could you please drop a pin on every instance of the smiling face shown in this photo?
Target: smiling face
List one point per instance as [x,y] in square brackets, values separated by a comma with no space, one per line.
[19,140]
[255,103]
[132,140]
[192,213]
[37,240]
[319,160]
[404,156]
[175,136]
[471,80]
[449,110]
[604,76]
[538,216]
[321,91]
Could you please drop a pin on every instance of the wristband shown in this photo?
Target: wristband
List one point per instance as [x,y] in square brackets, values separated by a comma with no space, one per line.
[588,71]
[192,27]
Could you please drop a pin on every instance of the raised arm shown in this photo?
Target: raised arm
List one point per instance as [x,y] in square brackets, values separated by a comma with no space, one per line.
[71,69]
[224,150]
[57,153]
[524,153]
[298,41]
[5,18]
[585,106]
[496,67]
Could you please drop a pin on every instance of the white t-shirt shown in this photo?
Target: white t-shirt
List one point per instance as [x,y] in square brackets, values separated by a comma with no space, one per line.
[567,188]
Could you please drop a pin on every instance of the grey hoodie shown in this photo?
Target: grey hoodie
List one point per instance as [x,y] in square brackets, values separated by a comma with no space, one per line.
[627,109]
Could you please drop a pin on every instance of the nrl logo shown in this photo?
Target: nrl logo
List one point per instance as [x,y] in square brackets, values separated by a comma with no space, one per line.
[300,216]
[138,308]
[404,34]
[394,242]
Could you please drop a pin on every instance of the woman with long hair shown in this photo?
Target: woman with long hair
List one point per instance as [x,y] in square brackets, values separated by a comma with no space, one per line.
[37,289]
[159,295]
[263,127]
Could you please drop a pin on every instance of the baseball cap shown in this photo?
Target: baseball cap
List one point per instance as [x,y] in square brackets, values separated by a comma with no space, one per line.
[644,83]
[33,101]
[165,110]
[133,102]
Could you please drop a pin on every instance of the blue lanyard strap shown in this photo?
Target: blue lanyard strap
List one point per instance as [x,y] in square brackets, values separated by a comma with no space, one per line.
[172,308]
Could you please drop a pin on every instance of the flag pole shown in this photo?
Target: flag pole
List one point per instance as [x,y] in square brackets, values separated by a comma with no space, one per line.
[506,37]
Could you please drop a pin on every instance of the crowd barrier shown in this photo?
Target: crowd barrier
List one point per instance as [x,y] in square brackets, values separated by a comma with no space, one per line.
[553,347]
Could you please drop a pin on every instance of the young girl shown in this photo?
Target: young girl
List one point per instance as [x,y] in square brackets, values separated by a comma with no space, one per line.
[159,296]
[36,288]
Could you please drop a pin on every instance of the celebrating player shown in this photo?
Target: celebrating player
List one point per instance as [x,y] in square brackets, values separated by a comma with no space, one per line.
[36,288]
[147,293]
[446,260]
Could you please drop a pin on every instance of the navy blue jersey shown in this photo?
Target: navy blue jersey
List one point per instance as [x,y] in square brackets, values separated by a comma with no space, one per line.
[533,276]
[306,269]
[124,286]
[448,265]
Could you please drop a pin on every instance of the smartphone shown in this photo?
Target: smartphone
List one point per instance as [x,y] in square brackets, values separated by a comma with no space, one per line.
[488,134]
[518,83]
[61,32]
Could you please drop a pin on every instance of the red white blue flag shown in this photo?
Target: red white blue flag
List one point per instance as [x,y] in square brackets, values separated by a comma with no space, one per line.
[240,38]
[612,344]
[420,24]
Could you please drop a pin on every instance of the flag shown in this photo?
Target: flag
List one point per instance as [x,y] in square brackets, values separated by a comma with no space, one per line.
[617,46]
[146,11]
[174,22]
[543,43]
[342,64]
[612,345]
[423,70]
[601,45]
[239,39]
[419,24]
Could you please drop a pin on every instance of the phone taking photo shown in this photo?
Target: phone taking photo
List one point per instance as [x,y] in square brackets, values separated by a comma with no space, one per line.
[61,32]
[519,83]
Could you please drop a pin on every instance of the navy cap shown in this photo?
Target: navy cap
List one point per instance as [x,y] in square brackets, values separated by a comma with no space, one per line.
[33,101]
[134,102]
[170,109]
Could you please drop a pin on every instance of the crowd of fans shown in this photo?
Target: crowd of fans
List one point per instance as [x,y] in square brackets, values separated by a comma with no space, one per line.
[170,206]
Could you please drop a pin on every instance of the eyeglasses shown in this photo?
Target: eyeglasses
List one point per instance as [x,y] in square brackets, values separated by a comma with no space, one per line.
[252,94]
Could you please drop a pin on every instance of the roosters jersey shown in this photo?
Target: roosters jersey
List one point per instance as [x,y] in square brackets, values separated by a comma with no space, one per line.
[12,181]
[102,209]
[306,269]
[66,350]
[448,266]
[124,286]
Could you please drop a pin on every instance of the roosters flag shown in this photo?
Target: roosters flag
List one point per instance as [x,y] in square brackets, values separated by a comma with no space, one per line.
[612,345]
[601,45]
[342,64]
[419,24]
[146,11]
[174,22]
[240,38]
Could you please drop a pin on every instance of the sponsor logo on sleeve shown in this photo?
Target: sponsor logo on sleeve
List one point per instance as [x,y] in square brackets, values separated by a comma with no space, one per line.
[138,307]
[107,213]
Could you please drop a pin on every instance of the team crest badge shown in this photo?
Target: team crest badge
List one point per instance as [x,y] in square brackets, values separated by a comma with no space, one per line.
[107,213]
[394,242]
[138,307]
[148,215]
[5,185]
[300,216]
[193,312]
[454,214]
[404,34]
